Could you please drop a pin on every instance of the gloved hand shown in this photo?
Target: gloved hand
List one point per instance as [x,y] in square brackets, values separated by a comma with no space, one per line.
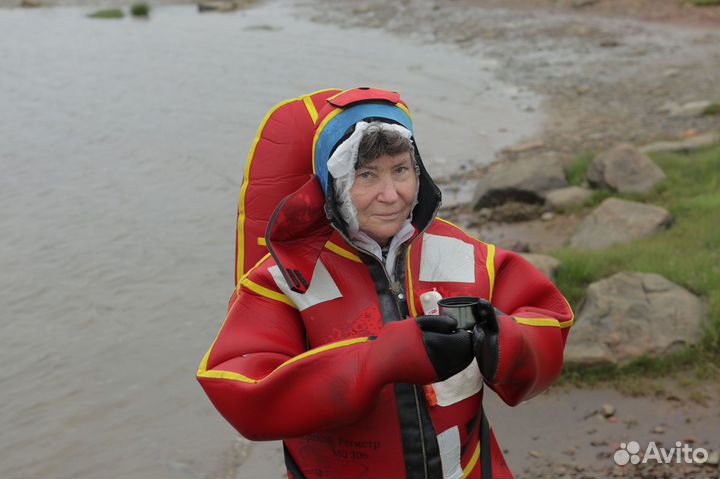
[486,340]
[449,349]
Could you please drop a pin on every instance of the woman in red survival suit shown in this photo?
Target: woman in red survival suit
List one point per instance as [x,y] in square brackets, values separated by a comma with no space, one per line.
[333,343]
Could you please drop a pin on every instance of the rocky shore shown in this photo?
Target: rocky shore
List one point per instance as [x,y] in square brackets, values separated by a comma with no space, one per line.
[605,80]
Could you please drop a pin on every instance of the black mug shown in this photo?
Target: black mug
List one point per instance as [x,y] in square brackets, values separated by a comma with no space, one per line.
[466,310]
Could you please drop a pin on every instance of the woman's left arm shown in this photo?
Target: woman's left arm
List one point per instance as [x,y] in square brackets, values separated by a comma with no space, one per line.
[533,320]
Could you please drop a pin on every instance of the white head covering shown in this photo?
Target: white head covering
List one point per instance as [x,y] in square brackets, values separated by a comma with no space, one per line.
[341,166]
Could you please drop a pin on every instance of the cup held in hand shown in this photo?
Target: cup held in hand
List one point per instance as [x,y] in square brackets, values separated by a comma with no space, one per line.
[466,310]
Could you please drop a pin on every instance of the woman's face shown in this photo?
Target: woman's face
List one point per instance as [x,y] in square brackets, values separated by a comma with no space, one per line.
[383,193]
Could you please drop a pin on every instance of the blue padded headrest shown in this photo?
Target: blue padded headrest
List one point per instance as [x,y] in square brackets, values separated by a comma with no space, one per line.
[336,129]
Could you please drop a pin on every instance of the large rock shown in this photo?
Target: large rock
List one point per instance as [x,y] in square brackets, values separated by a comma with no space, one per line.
[216,6]
[457,193]
[619,221]
[522,181]
[631,315]
[563,198]
[685,110]
[687,145]
[547,265]
[623,168]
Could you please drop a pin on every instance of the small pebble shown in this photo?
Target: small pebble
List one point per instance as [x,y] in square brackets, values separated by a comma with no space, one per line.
[608,410]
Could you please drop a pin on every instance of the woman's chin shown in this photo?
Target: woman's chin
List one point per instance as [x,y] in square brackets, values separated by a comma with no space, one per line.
[383,234]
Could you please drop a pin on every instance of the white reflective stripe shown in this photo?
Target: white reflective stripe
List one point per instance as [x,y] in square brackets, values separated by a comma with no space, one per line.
[322,287]
[447,259]
[449,442]
[464,384]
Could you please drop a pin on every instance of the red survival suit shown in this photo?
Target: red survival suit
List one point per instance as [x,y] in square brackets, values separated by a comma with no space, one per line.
[331,365]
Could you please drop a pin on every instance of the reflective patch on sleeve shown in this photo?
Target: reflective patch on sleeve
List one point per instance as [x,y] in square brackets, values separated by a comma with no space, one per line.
[322,288]
[449,442]
[447,259]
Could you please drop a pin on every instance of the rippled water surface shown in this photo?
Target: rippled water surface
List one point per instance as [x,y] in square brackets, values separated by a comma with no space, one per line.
[121,155]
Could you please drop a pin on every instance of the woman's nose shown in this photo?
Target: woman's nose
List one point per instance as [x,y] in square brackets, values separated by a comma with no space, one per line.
[388,190]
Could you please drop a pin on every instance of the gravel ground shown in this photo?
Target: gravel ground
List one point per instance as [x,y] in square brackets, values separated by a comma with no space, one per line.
[666,11]
[574,433]
[604,79]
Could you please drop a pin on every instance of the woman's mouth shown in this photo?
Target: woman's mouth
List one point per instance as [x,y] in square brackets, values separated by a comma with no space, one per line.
[387,216]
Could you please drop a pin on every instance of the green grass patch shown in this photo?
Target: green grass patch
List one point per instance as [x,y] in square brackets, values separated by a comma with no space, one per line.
[691,368]
[712,109]
[687,254]
[704,3]
[110,13]
[140,10]
[696,359]
[576,171]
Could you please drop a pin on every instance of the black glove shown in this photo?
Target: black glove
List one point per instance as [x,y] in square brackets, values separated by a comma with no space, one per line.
[449,349]
[486,337]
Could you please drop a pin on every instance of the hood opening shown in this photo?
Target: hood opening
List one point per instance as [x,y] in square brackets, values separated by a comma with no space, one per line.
[429,195]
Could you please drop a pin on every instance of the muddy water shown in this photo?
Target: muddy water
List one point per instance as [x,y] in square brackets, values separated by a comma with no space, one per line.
[123,144]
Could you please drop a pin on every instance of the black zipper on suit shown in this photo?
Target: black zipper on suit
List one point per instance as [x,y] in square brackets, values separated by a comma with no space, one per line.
[420,446]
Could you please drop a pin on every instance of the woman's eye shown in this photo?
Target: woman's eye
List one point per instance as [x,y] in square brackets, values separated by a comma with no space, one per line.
[401,169]
[365,175]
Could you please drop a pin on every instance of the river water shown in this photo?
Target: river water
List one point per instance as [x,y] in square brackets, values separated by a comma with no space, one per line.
[121,156]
